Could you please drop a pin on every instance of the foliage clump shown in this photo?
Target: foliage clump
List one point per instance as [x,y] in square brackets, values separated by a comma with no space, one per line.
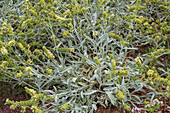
[74,55]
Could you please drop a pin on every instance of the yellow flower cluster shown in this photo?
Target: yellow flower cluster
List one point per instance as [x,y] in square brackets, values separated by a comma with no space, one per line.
[65,33]
[23,109]
[70,26]
[162,80]
[65,107]
[112,17]
[67,13]
[126,107]
[76,9]
[113,63]
[4,65]
[11,43]
[28,62]
[119,95]
[150,72]
[138,62]
[21,46]
[19,75]
[4,27]
[105,14]
[30,91]
[125,43]
[117,37]
[18,104]
[4,51]
[28,71]
[2,44]
[38,97]
[95,33]
[48,53]
[50,98]
[38,52]
[158,51]
[84,9]
[35,109]
[118,72]
[168,88]
[96,60]
[49,71]
[66,49]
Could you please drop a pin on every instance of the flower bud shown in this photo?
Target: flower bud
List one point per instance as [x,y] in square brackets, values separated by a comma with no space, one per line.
[97,60]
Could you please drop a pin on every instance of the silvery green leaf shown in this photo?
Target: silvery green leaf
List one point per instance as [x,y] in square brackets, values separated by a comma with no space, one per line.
[82,84]
[74,79]
[123,81]
[81,94]
[108,88]
[159,68]
[108,83]
[84,107]
[106,102]
[49,91]
[160,63]
[69,84]
[94,106]
[90,92]
[95,18]
[136,98]
[112,98]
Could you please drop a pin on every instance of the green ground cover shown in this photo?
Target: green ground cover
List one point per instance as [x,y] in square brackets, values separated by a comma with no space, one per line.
[80,55]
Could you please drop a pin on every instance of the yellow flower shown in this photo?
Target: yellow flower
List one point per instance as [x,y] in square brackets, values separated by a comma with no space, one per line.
[32,92]
[65,107]
[70,26]
[48,53]
[66,49]
[119,95]
[126,107]
[150,72]
[49,71]
[21,46]
[4,51]
[65,33]
[27,69]
[113,64]
[19,75]
[96,60]
[95,33]
[34,109]
[138,61]
[11,43]
[168,88]
[112,16]
[84,9]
